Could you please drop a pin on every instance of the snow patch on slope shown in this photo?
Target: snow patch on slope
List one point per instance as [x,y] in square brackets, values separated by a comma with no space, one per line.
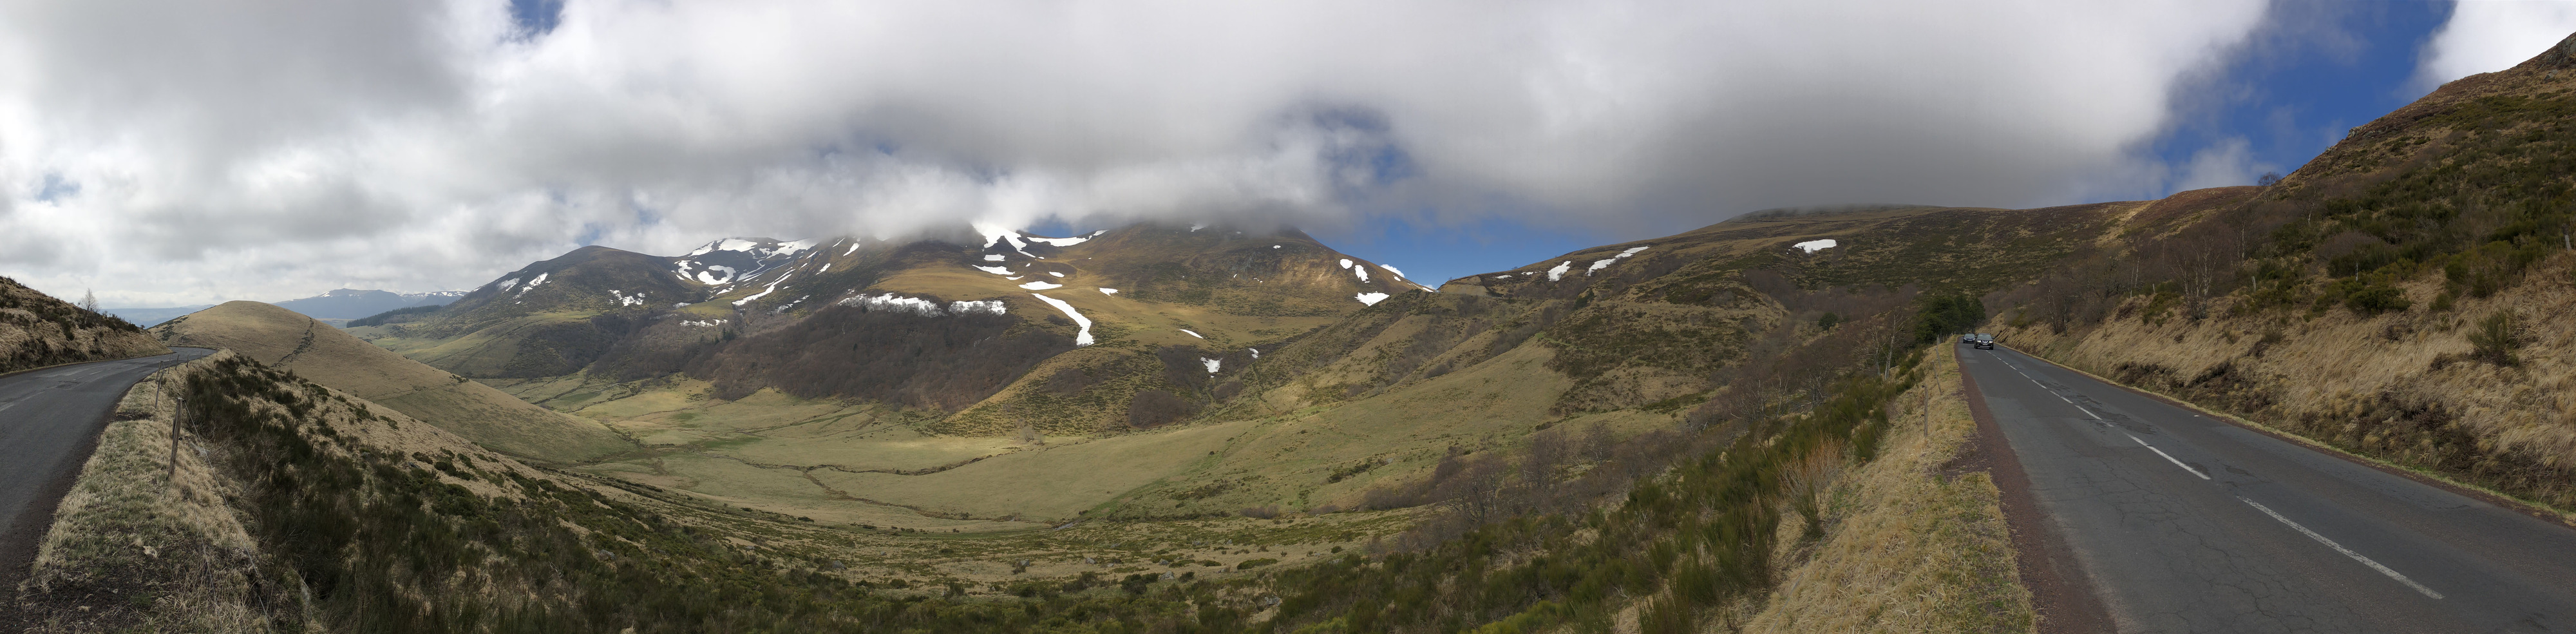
[1603,264]
[773,287]
[1812,246]
[1066,242]
[1370,298]
[1040,285]
[532,284]
[923,307]
[728,244]
[1081,337]
[1558,273]
[995,234]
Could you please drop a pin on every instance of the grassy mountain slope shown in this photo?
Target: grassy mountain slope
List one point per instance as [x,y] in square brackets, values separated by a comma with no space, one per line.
[1305,485]
[2402,296]
[279,337]
[1706,328]
[303,508]
[548,318]
[883,322]
[37,330]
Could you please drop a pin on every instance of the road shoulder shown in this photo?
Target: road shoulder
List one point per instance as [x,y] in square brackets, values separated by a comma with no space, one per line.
[2063,595]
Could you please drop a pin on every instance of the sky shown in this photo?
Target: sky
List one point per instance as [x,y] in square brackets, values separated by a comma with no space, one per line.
[169,152]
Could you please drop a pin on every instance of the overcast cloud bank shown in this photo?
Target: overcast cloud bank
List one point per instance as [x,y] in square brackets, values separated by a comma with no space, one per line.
[181,152]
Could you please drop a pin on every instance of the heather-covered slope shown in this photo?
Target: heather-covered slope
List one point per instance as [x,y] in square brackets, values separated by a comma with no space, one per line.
[2403,296]
[276,336]
[37,330]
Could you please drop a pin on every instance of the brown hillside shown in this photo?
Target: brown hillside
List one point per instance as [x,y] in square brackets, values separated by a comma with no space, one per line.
[282,338]
[37,330]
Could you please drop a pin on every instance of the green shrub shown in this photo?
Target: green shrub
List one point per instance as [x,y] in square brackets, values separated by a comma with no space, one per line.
[2496,338]
[2373,299]
[1943,315]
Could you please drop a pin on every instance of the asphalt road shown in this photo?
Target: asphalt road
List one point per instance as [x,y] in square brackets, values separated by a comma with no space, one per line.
[49,422]
[2183,523]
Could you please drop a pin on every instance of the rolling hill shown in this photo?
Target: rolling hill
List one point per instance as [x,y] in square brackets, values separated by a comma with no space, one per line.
[1733,427]
[1182,409]
[1262,497]
[278,337]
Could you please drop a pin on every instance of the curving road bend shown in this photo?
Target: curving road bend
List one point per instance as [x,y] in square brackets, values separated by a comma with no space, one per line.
[2183,523]
[49,422]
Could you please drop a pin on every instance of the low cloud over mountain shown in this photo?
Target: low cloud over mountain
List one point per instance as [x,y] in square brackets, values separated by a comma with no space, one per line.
[428,145]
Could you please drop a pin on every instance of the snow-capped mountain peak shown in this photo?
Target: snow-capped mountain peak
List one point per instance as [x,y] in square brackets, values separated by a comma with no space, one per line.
[727,260]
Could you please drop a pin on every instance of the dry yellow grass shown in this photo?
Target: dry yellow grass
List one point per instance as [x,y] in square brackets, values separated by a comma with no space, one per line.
[1909,550]
[126,517]
[484,352]
[133,548]
[862,464]
[282,338]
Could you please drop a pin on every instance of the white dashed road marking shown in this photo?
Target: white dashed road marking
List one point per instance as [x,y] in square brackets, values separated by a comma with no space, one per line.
[2347,552]
[2169,457]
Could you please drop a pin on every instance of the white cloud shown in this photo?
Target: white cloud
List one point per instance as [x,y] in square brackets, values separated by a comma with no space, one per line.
[276,152]
[2485,36]
[2229,161]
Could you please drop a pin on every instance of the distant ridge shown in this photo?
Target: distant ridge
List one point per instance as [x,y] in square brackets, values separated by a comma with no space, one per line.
[350,303]
[149,317]
[1826,210]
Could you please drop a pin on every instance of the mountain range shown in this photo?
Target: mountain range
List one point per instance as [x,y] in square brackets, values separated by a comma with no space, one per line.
[339,305]
[1164,427]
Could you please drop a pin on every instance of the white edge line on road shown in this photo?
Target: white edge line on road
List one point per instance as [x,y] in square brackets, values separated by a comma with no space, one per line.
[2170,458]
[2347,552]
[2086,412]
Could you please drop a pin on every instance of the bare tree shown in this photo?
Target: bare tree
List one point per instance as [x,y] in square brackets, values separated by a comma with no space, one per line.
[89,300]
